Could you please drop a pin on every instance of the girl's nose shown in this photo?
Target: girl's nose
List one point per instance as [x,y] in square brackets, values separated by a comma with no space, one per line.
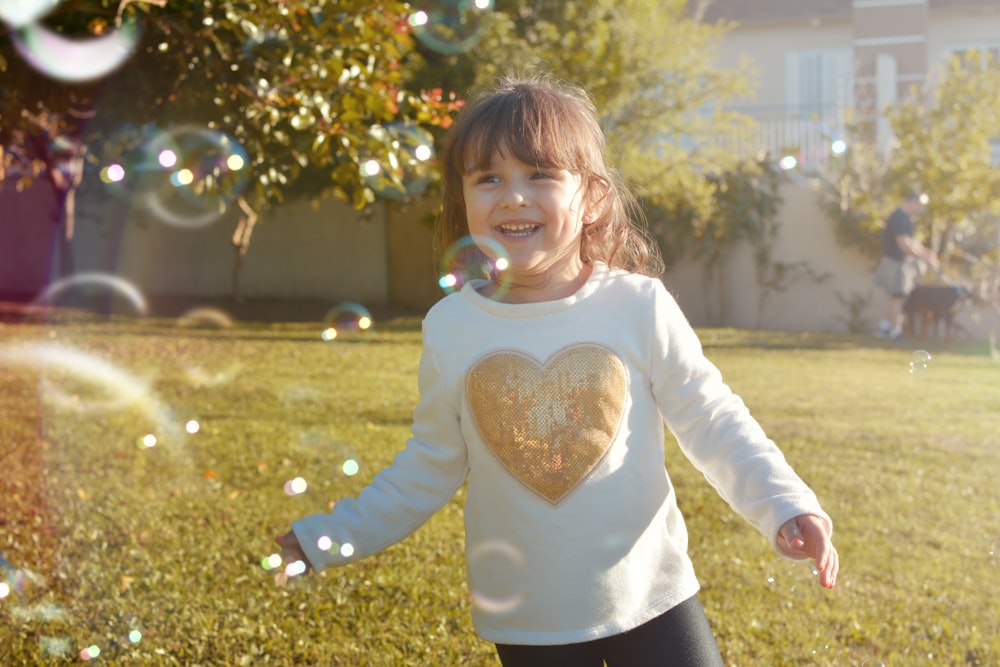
[514,197]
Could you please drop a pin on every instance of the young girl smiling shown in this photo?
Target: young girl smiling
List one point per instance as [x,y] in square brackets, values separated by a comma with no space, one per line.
[546,389]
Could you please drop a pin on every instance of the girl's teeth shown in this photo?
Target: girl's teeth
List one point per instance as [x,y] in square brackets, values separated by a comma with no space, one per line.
[518,230]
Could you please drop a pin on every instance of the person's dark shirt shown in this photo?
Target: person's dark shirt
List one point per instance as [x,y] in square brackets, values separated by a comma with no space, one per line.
[897,224]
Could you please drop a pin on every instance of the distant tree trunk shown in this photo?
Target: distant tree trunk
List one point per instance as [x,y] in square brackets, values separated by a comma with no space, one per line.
[241,242]
[65,188]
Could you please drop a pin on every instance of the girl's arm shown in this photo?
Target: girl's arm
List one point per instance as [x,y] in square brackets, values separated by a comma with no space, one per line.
[717,433]
[420,480]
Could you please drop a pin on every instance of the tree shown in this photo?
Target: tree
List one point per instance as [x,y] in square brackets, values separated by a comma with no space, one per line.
[943,145]
[305,93]
[649,65]
[650,68]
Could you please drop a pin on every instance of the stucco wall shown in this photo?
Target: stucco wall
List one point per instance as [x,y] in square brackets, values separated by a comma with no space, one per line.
[386,261]
[297,251]
[806,239]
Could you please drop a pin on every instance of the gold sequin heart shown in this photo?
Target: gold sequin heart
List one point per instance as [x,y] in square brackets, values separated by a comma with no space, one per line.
[548,424]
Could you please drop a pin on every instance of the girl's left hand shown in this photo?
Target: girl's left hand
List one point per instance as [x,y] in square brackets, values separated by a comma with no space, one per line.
[808,536]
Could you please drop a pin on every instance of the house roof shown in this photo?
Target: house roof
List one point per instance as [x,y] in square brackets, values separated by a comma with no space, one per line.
[792,11]
[771,11]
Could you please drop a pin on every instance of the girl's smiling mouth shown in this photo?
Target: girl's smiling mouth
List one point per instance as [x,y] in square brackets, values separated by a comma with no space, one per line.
[518,229]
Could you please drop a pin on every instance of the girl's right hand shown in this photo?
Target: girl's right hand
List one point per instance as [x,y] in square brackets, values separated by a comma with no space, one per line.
[291,550]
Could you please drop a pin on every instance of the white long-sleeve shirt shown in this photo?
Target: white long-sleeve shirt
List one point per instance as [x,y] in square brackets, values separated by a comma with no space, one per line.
[554,414]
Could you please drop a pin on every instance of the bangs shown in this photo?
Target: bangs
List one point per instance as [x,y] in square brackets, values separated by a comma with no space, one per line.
[536,126]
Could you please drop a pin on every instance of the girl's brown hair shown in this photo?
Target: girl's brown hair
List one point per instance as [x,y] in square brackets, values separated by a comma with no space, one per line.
[541,121]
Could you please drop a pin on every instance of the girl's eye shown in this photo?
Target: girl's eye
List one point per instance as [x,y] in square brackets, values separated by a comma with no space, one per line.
[487,178]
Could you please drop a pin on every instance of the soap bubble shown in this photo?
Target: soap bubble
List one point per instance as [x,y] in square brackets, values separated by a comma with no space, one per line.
[493,597]
[344,318]
[76,59]
[450,27]
[210,318]
[296,486]
[99,385]
[94,289]
[20,13]
[186,176]
[920,361]
[791,576]
[406,168]
[472,258]
[206,171]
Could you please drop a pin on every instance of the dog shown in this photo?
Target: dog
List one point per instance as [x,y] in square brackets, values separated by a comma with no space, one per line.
[928,308]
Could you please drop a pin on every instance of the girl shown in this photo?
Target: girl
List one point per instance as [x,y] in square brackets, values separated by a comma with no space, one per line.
[546,389]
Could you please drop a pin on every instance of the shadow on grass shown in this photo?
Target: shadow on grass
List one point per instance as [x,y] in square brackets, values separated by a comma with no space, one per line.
[723,338]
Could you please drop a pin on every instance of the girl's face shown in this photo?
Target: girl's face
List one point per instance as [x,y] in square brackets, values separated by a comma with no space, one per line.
[536,215]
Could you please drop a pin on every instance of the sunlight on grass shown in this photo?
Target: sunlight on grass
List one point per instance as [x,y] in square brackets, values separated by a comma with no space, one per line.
[117,550]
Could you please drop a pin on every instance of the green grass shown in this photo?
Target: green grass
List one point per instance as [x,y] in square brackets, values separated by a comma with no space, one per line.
[106,537]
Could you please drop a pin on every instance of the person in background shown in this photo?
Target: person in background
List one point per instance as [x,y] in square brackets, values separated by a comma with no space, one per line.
[545,389]
[898,269]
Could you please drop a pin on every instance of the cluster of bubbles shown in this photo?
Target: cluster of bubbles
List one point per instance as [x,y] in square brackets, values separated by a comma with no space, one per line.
[473,258]
[287,570]
[64,58]
[186,176]
[295,568]
[450,27]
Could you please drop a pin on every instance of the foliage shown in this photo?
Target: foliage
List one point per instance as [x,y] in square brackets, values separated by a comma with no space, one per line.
[942,147]
[103,537]
[743,208]
[855,192]
[655,83]
[302,87]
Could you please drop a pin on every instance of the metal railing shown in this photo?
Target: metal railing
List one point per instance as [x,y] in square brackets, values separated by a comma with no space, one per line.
[811,136]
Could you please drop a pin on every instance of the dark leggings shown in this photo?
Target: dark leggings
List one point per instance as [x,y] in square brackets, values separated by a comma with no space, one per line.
[681,637]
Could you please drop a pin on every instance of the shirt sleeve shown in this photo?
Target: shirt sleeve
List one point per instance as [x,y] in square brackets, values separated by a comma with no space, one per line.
[403,496]
[716,431]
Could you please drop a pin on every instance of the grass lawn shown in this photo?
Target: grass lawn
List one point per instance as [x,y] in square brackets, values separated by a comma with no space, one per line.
[123,553]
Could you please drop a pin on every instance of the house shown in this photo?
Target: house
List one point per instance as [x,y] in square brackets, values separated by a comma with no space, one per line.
[817,60]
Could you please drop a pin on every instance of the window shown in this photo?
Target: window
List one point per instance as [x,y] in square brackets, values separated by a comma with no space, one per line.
[819,89]
[818,83]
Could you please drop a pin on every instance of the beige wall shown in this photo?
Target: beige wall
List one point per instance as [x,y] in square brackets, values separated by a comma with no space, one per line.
[385,261]
[806,305]
[413,275]
[296,250]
